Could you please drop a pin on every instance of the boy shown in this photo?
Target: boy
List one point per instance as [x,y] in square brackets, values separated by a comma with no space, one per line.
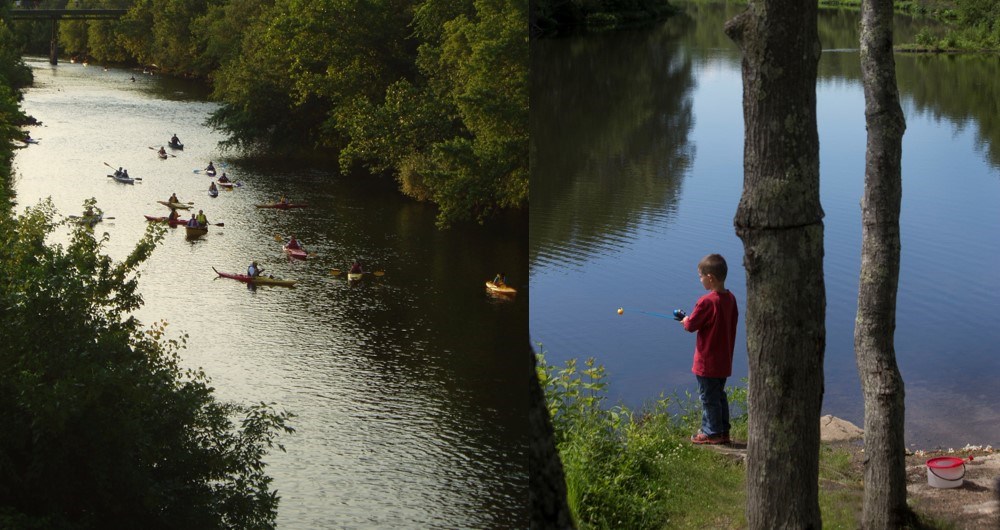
[714,317]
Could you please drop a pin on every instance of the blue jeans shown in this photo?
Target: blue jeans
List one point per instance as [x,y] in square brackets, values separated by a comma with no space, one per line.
[714,405]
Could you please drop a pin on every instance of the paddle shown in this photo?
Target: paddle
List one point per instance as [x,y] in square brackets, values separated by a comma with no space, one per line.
[155,149]
[336,272]
[113,168]
[105,218]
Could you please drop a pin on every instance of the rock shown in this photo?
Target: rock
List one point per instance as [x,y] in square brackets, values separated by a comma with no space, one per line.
[833,429]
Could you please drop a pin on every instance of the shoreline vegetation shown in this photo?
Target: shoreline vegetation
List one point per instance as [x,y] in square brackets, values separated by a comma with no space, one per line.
[636,468]
[431,94]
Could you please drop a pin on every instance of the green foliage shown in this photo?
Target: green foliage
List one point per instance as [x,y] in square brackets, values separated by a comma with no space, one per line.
[636,469]
[458,133]
[103,428]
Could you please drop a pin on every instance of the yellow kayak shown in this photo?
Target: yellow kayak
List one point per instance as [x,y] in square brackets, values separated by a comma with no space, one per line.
[500,289]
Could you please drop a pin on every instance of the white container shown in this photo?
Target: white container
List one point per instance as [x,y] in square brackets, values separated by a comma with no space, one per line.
[945,472]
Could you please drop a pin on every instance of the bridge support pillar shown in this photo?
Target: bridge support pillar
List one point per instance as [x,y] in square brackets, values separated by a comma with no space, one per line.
[54,44]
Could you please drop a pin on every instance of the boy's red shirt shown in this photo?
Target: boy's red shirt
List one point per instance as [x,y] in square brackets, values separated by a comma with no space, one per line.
[714,318]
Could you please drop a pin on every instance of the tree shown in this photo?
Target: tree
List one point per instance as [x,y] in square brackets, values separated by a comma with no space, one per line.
[882,385]
[102,426]
[780,221]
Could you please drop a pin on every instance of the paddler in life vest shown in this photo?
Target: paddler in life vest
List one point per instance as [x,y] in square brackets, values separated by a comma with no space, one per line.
[210,167]
[174,140]
[356,268]
[211,187]
[202,220]
[192,222]
[283,199]
[293,243]
[254,270]
[173,199]
[223,178]
[174,217]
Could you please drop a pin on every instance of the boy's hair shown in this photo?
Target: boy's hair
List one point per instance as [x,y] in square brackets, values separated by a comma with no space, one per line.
[715,265]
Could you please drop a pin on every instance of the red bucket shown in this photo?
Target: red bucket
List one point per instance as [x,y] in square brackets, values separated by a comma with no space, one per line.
[945,472]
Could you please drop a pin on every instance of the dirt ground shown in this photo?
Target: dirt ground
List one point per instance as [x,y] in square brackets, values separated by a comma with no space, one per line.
[975,505]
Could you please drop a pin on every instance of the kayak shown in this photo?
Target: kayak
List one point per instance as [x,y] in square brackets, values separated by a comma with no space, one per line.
[355,275]
[122,179]
[193,232]
[225,184]
[500,289]
[210,172]
[296,253]
[281,206]
[175,205]
[175,223]
[260,280]
[162,156]
[213,193]
[176,146]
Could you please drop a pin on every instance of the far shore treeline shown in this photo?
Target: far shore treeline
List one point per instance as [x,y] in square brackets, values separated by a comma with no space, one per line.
[433,93]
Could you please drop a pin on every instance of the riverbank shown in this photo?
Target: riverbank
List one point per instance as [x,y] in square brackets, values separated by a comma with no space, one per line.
[972,506]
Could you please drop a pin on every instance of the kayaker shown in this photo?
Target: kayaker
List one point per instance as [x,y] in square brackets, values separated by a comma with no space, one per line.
[211,187]
[125,173]
[119,172]
[174,140]
[283,199]
[173,199]
[223,178]
[211,167]
[163,151]
[293,243]
[500,279]
[254,270]
[89,212]
[356,268]
[174,217]
[202,220]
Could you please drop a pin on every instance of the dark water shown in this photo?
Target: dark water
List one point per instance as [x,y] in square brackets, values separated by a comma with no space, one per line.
[408,388]
[637,142]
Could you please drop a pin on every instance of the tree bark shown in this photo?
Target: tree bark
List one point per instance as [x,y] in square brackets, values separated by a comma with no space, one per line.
[546,481]
[881,383]
[780,222]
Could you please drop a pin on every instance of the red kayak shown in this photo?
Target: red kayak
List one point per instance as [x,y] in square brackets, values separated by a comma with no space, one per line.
[297,253]
[282,206]
[174,223]
[260,280]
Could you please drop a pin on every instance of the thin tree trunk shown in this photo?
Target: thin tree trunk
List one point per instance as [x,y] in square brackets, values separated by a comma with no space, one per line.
[780,221]
[881,382]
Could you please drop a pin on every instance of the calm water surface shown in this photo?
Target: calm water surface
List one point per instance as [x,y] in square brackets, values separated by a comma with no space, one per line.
[637,142]
[407,389]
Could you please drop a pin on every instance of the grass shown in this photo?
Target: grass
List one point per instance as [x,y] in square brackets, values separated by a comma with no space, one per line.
[637,469]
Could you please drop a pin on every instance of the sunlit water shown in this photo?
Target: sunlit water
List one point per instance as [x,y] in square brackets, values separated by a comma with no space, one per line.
[408,389]
[636,174]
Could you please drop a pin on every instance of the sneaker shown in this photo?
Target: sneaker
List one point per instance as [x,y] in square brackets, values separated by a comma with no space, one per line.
[702,438]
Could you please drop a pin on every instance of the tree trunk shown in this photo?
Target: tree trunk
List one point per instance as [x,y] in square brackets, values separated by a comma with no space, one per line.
[881,383]
[546,481]
[780,221]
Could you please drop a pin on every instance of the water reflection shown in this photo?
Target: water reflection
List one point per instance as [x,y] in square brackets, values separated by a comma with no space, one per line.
[610,116]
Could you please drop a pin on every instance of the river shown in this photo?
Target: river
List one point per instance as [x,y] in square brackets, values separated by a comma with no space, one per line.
[407,389]
[637,153]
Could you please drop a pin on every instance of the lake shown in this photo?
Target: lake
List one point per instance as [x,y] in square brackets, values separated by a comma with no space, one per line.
[637,169]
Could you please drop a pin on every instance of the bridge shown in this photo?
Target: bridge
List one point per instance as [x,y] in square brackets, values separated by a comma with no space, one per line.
[69,14]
